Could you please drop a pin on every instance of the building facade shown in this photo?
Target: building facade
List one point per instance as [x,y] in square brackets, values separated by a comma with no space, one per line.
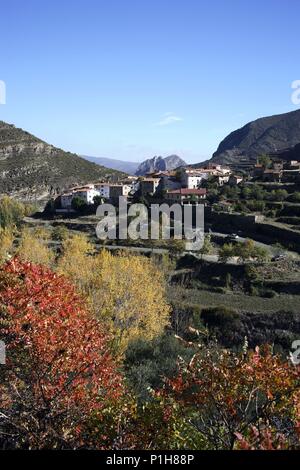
[118,190]
[86,193]
[104,189]
[149,185]
[186,196]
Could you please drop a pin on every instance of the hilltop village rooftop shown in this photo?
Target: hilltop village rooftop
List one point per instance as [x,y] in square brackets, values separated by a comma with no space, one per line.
[184,185]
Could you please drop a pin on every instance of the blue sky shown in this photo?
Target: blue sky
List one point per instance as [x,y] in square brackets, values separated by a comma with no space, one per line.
[130,79]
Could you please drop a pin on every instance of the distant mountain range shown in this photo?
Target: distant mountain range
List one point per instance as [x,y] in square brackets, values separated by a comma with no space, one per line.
[265,135]
[140,169]
[32,169]
[119,165]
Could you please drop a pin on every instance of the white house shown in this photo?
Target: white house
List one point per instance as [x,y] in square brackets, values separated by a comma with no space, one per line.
[87,193]
[104,189]
[131,182]
[218,169]
[192,179]
[221,180]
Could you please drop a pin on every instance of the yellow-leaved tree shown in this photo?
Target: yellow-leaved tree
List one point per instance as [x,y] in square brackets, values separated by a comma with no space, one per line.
[129,293]
[33,247]
[126,292]
[11,212]
[77,261]
[6,243]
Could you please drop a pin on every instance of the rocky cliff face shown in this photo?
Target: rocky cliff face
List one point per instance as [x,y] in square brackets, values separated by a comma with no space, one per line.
[34,170]
[265,135]
[159,164]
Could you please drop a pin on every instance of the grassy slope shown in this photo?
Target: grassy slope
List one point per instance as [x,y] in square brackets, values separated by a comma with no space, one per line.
[240,302]
[26,161]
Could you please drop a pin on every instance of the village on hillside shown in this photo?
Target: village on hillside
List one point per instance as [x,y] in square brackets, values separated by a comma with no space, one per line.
[185,185]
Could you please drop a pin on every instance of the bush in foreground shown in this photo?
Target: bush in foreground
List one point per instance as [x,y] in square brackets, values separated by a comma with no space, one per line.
[59,368]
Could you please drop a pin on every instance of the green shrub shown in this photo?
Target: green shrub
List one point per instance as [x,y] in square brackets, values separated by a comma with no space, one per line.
[148,362]
[59,233]
[268,293]
[11,212]
[228,281]
[253,290]
[295,197]
[219,316]
[79,204]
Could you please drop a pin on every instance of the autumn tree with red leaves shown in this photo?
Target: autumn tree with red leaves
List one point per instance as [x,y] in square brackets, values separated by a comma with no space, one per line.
[62,388]
[248,400]
[59,370]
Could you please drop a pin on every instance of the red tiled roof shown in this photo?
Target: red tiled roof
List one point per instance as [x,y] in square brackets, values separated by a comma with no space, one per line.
[186,191]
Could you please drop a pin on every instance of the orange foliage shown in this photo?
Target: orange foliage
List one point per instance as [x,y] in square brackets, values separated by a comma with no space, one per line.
[229,396]
[59,369]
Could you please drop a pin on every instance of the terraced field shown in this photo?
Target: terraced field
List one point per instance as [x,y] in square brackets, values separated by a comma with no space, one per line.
[240,302]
